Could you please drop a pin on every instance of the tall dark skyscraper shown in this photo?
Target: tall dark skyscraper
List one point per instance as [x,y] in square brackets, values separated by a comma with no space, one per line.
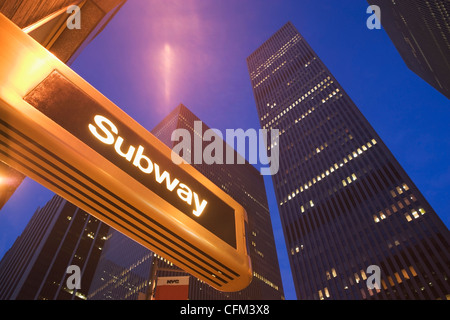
[124,268]
[420,30]
[345,202]
[58,235]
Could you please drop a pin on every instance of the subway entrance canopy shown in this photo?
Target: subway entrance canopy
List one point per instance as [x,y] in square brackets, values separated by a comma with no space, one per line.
[60,131]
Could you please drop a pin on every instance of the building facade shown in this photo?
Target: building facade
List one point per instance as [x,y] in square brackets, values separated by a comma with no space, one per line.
[420,30]
[345,202]
[58,235]
[123,258]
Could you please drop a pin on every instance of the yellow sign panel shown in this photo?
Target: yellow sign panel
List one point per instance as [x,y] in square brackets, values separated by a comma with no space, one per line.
[63,133]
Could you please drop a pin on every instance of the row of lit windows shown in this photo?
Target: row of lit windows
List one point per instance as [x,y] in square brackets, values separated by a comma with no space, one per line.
[280,52]
[324,83]
[303,116]
[262,80]
[398,278]
[399,190]
[259,253]
[266,281]
[349,180]
[413,214]
[358,277]
[188,124]
[268,76]
[333,168]
[77,293]
[297,249]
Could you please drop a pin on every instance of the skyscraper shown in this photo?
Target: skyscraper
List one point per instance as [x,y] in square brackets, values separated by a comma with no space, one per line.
[123,262]
[58,235]
[420,30]
[345,202]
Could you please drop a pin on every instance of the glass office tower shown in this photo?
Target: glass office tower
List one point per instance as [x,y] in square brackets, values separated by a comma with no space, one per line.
[420,30]
[345,202]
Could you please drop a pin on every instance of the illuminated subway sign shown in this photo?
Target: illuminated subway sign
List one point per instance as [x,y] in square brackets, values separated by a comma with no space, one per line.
[99,129]
[144,164]
[60,131]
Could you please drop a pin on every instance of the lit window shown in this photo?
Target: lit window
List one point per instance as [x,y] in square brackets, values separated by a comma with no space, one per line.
[320,295]
[363,275]
[333,272]
[397,277]
[413,272]
[405,274]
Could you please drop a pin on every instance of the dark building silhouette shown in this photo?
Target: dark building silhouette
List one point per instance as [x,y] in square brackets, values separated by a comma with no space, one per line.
[57,236]
[420,30]
[344,200]
[125,266]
